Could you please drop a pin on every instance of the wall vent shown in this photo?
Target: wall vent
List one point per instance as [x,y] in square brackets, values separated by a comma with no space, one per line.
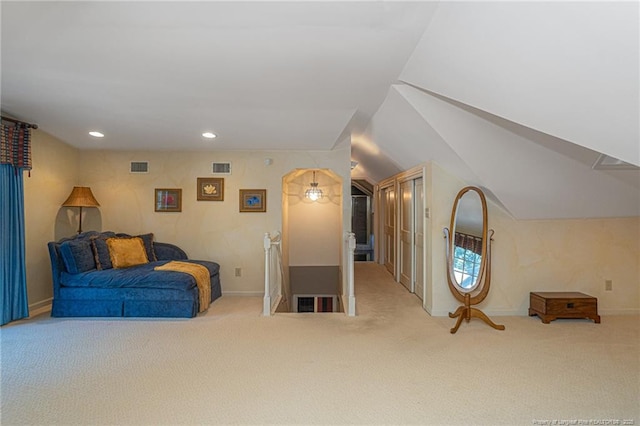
[221,168]
[139,167]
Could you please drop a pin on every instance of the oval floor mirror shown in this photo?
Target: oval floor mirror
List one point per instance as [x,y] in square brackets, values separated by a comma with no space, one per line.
[468,253]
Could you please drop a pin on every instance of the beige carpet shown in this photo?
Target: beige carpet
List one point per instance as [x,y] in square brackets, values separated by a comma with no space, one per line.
[392,364]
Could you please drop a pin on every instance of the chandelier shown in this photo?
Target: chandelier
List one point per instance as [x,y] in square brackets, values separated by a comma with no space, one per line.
[313,193]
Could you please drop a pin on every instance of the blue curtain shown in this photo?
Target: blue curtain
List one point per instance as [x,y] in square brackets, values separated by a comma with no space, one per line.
[15,157]
[13,271]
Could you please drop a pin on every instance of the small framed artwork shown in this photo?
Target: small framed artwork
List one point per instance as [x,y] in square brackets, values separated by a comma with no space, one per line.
[253,200]
[168,199]
[210,189]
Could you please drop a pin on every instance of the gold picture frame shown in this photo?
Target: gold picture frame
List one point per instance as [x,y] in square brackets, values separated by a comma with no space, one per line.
[253,200]
[210,189]
[168,199]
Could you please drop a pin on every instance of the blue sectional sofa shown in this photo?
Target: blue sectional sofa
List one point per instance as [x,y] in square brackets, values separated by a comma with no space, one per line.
[85,283]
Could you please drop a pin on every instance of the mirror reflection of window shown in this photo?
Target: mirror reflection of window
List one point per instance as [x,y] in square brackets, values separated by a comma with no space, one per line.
[466,267]
[467,258]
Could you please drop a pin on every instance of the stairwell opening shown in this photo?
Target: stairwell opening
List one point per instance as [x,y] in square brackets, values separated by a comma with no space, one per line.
[312,242]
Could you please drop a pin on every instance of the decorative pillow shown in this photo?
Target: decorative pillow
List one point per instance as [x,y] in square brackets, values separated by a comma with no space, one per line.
[126,252]
[147,239]
[77,256]
[101,250]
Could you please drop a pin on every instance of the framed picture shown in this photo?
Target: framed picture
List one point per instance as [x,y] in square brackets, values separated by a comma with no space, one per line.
[210,189]
[168,199]
[253,200]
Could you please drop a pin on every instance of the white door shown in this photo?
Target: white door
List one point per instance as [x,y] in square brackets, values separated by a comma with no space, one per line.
[418,240]
[390,230]
[406,254]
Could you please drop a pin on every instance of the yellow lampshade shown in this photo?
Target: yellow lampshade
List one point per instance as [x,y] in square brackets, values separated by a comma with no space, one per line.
[81,196]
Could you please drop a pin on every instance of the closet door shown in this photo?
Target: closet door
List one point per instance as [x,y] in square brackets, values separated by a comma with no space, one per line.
[419,236]
[390,230]
[406,254]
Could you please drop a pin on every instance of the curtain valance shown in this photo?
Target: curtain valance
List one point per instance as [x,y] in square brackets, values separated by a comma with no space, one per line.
[15,146]
[468,242]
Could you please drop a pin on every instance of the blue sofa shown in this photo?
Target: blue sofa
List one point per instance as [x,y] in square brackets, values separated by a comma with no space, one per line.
[86,285]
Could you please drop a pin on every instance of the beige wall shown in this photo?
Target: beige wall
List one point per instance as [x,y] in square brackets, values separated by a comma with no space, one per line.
[204,229]
[314,229]
[544,255]
[576,255]
[441,189]
[566,255]
[55,172]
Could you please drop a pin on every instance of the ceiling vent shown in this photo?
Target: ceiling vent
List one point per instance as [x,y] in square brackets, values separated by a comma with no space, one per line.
[221,168]
[605,162]
[139,167]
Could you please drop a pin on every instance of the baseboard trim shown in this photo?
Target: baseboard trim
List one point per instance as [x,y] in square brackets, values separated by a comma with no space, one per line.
[490,313]
[630,311]
[40,307]
[42,303]
[244,293]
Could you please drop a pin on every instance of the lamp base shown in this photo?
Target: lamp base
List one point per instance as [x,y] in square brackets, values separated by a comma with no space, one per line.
[80,222]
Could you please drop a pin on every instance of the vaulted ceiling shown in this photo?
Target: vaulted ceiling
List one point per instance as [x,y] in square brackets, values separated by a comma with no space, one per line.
[519,98]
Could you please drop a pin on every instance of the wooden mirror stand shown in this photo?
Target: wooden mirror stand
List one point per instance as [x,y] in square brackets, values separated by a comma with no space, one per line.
[470,242]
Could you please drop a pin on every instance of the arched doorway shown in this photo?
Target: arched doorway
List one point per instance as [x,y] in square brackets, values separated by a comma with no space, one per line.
[312,239]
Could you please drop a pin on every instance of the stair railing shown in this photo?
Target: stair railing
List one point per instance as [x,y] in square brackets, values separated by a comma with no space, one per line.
[350,305]
[272,281]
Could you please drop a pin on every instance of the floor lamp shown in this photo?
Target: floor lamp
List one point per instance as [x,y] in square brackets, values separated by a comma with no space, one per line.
[81,196]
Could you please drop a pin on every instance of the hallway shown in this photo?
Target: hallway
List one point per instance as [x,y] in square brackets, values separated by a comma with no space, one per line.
[378,295]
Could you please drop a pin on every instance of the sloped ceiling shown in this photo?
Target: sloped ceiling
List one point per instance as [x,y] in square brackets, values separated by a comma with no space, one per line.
[522,98]
[542,183]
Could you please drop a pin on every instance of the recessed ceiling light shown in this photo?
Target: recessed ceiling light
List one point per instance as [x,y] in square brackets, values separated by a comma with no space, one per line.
[96,134]
[209,135]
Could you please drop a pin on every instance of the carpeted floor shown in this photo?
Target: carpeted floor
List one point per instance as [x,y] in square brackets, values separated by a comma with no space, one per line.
[392,364]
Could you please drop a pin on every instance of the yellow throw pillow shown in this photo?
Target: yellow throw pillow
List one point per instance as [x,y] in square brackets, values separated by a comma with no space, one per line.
[126,252]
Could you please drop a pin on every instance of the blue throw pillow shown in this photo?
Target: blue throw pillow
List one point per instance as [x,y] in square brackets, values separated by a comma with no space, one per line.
[101,251]
[77,256]
[147,239]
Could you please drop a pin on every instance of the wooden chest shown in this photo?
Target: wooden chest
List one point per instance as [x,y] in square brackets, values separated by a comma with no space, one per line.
[552,305]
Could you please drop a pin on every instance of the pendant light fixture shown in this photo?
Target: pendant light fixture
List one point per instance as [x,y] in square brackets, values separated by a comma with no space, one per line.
[313,193]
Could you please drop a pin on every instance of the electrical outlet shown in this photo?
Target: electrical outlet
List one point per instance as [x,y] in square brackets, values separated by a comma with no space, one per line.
[608,285]
[238,272]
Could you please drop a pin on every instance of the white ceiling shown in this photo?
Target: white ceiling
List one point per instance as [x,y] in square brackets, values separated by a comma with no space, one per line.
[155,75]
[520,98]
